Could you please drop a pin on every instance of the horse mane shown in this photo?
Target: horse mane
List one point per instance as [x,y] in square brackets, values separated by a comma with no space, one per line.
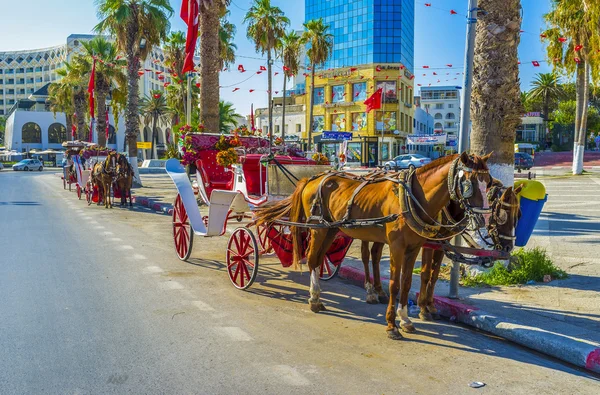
[436,163]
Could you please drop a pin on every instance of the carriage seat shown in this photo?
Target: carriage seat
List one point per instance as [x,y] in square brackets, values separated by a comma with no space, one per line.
[213,174]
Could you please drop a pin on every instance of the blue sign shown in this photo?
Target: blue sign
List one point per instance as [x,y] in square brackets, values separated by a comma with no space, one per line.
[339,136]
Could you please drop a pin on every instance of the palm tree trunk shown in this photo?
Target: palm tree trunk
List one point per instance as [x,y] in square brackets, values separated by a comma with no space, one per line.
[312,105]
[209,67]
[101,117]
[582,130]
[132,120]
[495,106]
[283,110]
[69,123]
[79,102]
[270,93]
[154,137]
[580,94]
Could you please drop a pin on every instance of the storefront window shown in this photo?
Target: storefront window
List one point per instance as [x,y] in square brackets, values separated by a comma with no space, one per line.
[338,122]
[359,121]
[318,123]
[337,93]
[359,91]
[319,95]
[386,120]
[385,151]
[389,91]
[354,153]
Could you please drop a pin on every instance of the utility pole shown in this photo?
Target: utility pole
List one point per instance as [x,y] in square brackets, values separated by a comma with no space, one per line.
[465,120]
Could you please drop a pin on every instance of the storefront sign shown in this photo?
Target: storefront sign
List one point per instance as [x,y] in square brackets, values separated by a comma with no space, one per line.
[426,139]
[337,136]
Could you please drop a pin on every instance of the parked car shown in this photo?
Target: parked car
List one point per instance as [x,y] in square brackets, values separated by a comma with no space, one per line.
[523,161]
[408,161]
[28,165]
[1,166]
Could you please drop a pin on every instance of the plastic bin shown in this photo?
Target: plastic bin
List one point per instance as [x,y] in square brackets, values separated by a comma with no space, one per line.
[532,199]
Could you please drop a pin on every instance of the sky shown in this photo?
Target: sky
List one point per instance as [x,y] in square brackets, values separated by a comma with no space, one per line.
[439,40]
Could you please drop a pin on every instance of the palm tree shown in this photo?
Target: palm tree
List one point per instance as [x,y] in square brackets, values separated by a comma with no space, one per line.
[290,53]
[572,42]
[210,10]
[547,88]
[174,50]
[227,117]
[321,45]
[72,83]
[226,46]
[266,27]
[60,99]
[109,78]
[138,26]
[496,106]
[154,109]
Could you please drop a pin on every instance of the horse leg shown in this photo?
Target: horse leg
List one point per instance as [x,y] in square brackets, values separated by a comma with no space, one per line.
[371,295]
[426,264]
[437,264]
[376,252]
[110,201]
[408,264]
[320,242]
[396,258]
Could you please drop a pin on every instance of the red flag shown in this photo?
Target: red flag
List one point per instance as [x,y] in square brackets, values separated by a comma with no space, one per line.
[251,90]
[259,72]
[107,124]
[189,14]
[197,85]
[91,86]
[425,67]
[74,126]
[241,68]
[535,63]
[578,47]
[235,89]
[353,68]
[434,73]
[263,68]
[378,68]
[452,12]
[427,4]
[285,68]
[543,35]
[562,39]
[374,101]
[449,65]
[577,60]
[276,73]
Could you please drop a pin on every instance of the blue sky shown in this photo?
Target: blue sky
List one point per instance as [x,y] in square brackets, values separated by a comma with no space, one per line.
[439,39]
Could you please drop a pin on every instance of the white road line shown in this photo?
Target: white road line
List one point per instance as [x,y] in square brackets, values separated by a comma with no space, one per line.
[153,269]
[93,222]
[124,247]
[234,333]
[170,285]
[139,257]
[575,194]
[596,180]
[99,227]
[202,306]
[107,233]
[290,375]
[115,239]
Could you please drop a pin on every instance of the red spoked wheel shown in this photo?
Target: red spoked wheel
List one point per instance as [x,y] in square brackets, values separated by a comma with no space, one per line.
[183,235]
[78,192]
[328,270]
[242,258]
[88,193]
[263,240]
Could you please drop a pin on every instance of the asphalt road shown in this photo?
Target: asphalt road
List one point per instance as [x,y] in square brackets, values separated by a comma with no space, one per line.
[94,301]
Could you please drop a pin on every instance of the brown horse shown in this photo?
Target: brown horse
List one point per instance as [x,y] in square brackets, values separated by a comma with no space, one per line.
[402,211]
[124,179]
[103,175]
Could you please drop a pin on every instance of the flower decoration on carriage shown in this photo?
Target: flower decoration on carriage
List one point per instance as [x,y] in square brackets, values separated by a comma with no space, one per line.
[243,131]
[320,158]
[227,157]
[342,157]
[278,141]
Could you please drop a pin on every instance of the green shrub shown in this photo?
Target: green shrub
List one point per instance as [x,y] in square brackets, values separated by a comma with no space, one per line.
[525,266]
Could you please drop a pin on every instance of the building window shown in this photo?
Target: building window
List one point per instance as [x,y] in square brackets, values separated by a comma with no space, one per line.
[450,105]
[21,91]
[112,136]
[359,91]
[31,133]
[319,94]
[298,128]
[439,106]
[389,91]
[337,93]
[438,126]
[438,116]
[30,69]
[338,122]
[359,121]
[385,120]
[450,125]
[57,133]
[318,123]
[450,115]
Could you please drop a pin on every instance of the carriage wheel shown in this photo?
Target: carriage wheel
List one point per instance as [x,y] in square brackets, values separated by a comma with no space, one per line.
[328,270]
[183,235]
[78,192]
[263,240]
[242,258]
[88,194]
[64,183]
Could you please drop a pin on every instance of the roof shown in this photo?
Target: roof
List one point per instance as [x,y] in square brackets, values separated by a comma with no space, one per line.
[42,92]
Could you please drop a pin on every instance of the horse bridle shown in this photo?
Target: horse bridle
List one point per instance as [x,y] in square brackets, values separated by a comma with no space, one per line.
[499,217]
[123,166]
[106,164]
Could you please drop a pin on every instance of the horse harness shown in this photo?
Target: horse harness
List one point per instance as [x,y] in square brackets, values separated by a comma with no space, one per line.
[500,212]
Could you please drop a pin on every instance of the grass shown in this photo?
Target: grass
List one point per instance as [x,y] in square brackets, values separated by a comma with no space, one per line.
[528,265]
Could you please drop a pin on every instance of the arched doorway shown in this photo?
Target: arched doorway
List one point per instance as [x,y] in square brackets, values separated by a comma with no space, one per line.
[31,133]
[57,133]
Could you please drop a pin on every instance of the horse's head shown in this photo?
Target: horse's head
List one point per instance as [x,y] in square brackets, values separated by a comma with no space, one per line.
[469,184]
[110,164]
[505,216]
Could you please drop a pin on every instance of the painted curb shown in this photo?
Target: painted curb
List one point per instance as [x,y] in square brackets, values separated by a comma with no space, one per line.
[569,349]
[161,208]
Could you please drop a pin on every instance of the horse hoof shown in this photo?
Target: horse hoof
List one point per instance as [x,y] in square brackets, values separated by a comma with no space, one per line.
[425,316]
[372,299]
[394,334]
[383,299]
[317,307]
[408,328]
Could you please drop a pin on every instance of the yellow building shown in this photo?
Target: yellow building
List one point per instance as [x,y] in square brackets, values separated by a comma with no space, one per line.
[339,107]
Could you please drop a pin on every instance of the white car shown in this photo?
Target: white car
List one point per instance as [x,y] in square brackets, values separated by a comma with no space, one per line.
[408,161]
[28,165]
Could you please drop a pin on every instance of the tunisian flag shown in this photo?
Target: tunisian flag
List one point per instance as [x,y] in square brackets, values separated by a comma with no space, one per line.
[91,86]
[189,14]
[374,101]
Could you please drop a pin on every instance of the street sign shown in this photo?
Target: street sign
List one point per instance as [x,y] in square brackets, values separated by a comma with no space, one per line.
[339,136]
[144,145]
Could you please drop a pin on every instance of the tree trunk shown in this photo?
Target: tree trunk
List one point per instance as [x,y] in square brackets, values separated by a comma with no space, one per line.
[283,110]
[132,120]
[270,95]
[580,94]
[153,154]
[312,105]
[101,117]
[69,124]
[209,67]
[582,133]
[496,106]
[79,102]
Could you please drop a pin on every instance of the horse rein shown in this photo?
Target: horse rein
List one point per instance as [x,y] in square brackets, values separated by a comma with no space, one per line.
[498,207]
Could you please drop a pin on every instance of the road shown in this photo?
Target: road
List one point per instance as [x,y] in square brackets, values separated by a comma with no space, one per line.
[94,301]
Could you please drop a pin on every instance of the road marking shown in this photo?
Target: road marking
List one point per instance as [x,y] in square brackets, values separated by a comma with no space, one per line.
[290,375]
[86,217]
[99,227]
[107,233]
[202,306]
[235,333]
[153,269]
[124,247]
[596,180]
[139,257]
[93,222]
[169,285]
[115,239]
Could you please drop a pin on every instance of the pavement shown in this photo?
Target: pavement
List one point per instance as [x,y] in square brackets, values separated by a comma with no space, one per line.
[95,301]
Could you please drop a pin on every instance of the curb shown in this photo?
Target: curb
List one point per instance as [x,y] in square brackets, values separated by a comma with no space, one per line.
[161,208]
[569,349]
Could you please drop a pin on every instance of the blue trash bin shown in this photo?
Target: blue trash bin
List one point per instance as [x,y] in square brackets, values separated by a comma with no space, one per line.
[530,212]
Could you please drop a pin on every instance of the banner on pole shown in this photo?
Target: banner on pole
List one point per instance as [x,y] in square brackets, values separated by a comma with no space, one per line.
[144,145]
[426,139]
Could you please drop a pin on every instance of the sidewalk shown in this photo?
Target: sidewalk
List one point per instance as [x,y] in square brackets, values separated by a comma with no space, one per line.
[158,193]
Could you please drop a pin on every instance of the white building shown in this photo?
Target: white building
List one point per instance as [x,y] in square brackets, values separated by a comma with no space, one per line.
[531,129]
[423,121]
[295,120]
[443,103]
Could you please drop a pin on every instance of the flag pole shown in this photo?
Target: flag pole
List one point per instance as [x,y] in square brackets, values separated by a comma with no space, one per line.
[382,124]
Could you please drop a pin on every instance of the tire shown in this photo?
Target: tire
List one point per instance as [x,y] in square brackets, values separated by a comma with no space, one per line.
[411,167]
[40,168]
[328,270]
[26,168]
[242,256]
[183,235]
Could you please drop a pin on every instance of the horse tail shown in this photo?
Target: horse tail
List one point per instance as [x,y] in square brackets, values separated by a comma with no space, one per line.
[296,214]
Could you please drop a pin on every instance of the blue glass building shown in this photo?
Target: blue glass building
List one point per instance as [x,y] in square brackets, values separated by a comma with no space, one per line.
[367,31]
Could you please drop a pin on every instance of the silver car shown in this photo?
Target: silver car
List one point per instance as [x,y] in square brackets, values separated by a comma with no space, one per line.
[28,165]
[408,161]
